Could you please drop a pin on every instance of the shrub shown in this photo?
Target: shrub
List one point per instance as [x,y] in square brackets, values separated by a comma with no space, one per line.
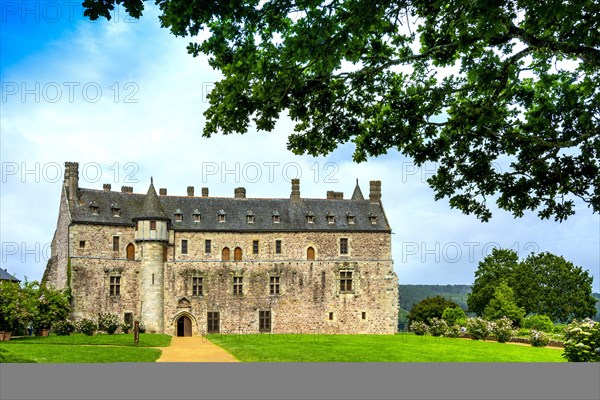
[142,327]
[478,328]
[419,328]
[452,331]
[454,316]
[437,327]
[86,326]
[538,338]
[538,322]
[125,328]
[431,307]
[503,304]
[523,332]
[502,329]
[108,322]
[583,341]
[63,328]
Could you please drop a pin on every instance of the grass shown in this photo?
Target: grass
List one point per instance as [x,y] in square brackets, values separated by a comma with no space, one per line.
[377,348]
[79,348]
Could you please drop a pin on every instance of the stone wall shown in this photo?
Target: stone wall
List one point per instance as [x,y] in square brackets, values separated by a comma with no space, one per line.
[55,274]
[99,241]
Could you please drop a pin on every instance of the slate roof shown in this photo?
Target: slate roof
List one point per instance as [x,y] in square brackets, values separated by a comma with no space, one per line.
[292,213]
[5,276]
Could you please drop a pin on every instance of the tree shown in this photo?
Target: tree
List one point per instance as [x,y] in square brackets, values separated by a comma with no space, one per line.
[454,316]
[503,304]
[17,308]
[431,307]
[52,305]
[468,85]
[542,283]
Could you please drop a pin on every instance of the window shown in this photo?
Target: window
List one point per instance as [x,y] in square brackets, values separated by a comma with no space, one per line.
[128,318]
[116,212]
[237,285]
[345,281]
[264,321]
[373,219]
[364,315]
[94,209]
[152,225]
[331,316]
[276,218]
[274,285]
[310,217]
[343,246]
[310,253]
[197,286]
[115,243]
[184,246]
[222,216]
[278,247]
[115,286]
[196,217]
[250,217]
[136,225]
[82,244]
[350,219]
[178,217]
[255,247]
[330,218]
[323,279]
[212,320]
[237,254]
[207,246]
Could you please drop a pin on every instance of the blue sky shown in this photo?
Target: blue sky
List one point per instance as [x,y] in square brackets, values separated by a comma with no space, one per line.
[125,100]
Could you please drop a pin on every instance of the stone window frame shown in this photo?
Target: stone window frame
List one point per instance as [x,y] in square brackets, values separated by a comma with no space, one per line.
[345,281]
[237,285]
[207,246]
[211,317]
[184,246]
[82,244]
[178,217]
[355,278]
[250,217]
[222,216]
[194,284]
[347,246]
[278,247]
[276,217]
[363,315]
[265,321]
[255,247]
[373,219]
[197,216]
[114,285]
[274,284]
[116,210]
[116,243]
[310,217]
[350,219]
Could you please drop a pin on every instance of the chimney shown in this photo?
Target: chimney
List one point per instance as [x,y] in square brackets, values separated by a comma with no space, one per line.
[295,189]
[162,191]
[330,195]
[72,179]
[190,191]
[338,195]
[239,193]
[106,187]
[204,192]
[375,191]
[127,189]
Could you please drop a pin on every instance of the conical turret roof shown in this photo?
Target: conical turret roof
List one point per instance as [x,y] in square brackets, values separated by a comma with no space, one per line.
[357,195]
[151,208]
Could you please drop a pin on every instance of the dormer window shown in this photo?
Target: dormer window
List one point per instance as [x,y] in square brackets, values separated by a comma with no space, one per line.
[373,218]
[250,217]
[350,219]
[116,210]
[196,215]
[222,216]
[178,215]
[330,218]
[276,217]
[310,217]
[94,208]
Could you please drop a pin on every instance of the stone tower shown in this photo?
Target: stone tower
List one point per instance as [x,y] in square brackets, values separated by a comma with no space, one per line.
[152,227]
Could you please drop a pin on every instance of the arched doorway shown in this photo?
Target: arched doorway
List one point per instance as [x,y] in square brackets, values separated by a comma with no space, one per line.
[184,326]
[237,254]
[130,251]
[225,254]
[310,253]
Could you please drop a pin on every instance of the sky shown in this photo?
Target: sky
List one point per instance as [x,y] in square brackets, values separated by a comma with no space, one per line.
[125,100]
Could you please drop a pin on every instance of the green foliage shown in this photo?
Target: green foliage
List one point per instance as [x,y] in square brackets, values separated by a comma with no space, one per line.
[437,326]
[538,322]
[454,316]
[502,329]
[453,331]
[125,328]
[51,306]
[538,338]
[525,87]
[542,284]
[86,326]
[419,328]
[478,328]
[63,328]
[409,295]
[402,319]
[17,306]
[108,322]
[431,307]
[503,305]
[583,341]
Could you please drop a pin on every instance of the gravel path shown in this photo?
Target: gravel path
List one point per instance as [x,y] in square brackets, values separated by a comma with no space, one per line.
[194,349]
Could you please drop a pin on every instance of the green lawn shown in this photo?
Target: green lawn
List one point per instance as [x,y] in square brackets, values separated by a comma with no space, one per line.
[79,348]
[377,348]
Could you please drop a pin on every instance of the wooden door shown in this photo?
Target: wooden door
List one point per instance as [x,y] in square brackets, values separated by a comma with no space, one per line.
[310,253]
[130,251]
[184,326]
[237,254]
[225,254]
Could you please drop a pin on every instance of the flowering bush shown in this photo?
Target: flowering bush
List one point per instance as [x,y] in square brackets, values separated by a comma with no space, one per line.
[142,327]
[437,327]
[452,331]
[583,341]
[63,328]
[502,329]
[538,322]
[108,322]
[86,326]
[419,328]
[125,328]
[478,328]
[538,338]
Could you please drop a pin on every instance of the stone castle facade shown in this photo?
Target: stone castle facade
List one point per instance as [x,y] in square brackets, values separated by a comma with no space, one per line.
[191,265]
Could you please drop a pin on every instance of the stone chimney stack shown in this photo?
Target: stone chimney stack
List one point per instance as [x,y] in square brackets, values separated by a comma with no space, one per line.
[295,189]
[106,187]
[127,189]
[375,191]
[162,191]
[239,193]
[333,195]
[204,192]
[190,191]
[72,180]
[330,195]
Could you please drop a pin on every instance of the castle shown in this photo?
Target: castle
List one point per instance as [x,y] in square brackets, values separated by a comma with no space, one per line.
[191,265]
